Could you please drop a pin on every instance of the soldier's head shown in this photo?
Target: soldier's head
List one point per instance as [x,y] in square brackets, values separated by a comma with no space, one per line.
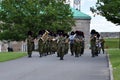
[97,34]
[60,32]
[40,32]
[72,33]
[78,33]
[30,33]
[93,31]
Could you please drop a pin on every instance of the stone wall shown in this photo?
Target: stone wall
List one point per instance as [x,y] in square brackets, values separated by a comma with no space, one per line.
[16,46]
[110,34]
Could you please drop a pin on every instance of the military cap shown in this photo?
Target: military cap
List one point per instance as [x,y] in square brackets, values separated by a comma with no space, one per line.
[78,33]
[40,32]
[60,32]
[72,33]
[30,33]
[93,31]
[98,35]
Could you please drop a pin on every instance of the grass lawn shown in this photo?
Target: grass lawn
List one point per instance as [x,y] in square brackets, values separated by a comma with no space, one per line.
[111,43]
[114,54]
[115,61]
[5,56]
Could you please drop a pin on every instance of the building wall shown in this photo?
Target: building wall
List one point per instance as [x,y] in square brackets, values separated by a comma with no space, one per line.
[16,46]
[110,34]
[83,25]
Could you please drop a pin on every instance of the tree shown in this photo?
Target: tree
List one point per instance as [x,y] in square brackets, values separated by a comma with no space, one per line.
[20,16]
[110,9]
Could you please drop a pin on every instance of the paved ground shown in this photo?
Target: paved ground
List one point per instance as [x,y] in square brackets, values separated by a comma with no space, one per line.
[51,68]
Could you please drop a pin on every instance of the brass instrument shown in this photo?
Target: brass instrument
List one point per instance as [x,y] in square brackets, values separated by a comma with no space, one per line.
[45,36]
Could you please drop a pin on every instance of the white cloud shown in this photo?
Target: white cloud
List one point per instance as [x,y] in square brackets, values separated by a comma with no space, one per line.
[102,25]
[98,23]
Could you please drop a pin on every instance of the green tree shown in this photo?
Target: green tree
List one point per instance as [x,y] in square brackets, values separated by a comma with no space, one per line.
[20,16]
[110,9]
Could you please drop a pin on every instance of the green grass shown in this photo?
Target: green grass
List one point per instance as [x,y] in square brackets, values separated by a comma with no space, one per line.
[6,56]
[112,43]
[115,61]
[114,54]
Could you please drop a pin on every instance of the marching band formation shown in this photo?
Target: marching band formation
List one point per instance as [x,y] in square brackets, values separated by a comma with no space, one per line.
[60,42]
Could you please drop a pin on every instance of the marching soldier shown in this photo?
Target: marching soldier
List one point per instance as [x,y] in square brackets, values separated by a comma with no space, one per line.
[43,43]
[97,51]
[30,42]
[82,43]
[53,47]
[72,40]
[102,41]
[93,42]
[66,43]
[78,43]
[61,45]
[40,44]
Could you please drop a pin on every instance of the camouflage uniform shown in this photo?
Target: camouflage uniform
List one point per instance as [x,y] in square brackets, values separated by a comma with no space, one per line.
[61,46]
[93,45]
[82,43]
[47,45]
[66,45]
[98,46]
[94,41]
[29,45]
[40,47]
[53,45]
[77,46]
[102,41]
[40,43]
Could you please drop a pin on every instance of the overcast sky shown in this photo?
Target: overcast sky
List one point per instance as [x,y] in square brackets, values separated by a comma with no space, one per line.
[98,23]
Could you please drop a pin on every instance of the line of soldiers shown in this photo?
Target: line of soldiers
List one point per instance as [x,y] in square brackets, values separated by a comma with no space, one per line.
[96,43]
[51,43]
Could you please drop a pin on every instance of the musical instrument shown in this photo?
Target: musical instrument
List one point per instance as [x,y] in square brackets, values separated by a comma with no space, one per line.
[45,36]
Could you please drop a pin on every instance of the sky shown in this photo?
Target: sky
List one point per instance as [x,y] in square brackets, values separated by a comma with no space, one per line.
[98,23]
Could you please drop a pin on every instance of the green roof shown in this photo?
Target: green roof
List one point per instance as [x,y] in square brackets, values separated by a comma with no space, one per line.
[79,15]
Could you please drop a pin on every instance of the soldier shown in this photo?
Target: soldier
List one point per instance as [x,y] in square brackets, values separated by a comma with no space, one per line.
[78,43]
[102,41]
[40,43]
[97,50]
[61,45]
[71,40]
[30,45]
[53,47]
[83,43]
[49,43]
[66,43]
[93,42]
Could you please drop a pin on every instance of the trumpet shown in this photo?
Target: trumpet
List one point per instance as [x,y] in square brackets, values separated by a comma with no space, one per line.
[45,36]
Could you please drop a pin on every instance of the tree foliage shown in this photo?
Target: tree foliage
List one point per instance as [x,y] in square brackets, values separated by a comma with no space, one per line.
[20,16]
[110,9]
